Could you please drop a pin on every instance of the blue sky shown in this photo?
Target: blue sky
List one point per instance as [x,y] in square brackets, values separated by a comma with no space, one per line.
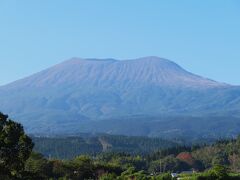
[202,36]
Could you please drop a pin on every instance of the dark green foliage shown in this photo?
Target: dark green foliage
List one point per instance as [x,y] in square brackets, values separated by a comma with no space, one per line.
[220,153]
[168,164]
[169,151]
[219,172]
[15,148]
[66,147]
[69,147]
[108,176]
[123,160]
[37,164]
[81,168]
[135,144]
[163,176]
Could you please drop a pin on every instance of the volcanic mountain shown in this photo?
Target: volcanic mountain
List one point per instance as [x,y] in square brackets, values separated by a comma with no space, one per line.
[80,94]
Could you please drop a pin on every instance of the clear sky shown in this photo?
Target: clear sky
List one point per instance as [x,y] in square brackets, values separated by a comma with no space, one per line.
[202,36]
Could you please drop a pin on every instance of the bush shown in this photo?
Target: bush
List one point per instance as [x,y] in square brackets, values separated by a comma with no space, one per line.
[108,176]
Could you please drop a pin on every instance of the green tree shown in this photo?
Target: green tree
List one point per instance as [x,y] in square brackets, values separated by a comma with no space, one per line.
[38,165]
[164,176]
[58,169]
[168,164]
[219,172]
[220,159]
[15,148]
[81,168]
[108,176]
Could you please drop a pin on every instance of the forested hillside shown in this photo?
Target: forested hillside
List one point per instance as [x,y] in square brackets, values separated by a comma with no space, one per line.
[69,147]
[17,160]
[217,161]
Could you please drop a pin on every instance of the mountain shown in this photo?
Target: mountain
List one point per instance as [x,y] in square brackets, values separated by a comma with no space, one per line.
[95,95]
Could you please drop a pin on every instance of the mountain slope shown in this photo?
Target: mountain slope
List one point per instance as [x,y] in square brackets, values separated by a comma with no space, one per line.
[72,95]
[150,70]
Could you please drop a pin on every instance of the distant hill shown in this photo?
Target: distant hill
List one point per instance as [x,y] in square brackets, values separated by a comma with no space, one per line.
[81,95]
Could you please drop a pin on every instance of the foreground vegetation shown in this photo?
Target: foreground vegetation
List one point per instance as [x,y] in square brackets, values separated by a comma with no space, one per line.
[17,161]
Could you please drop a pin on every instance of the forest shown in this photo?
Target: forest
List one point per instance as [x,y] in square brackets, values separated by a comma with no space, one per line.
[70,146]
[19,159]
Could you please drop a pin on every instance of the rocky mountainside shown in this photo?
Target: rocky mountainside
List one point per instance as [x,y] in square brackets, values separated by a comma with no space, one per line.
[74,94]
[110,72]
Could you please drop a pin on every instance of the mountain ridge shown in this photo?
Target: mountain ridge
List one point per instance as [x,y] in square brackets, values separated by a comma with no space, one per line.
[156,64]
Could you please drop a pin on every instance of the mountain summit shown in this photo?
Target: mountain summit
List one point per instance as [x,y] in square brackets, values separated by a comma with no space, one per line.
[109,72]
[84,90]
